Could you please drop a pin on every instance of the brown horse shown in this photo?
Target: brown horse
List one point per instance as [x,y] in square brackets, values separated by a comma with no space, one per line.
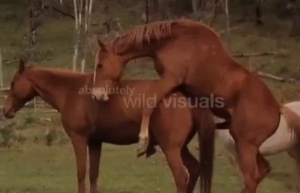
[89,123]
[190,55]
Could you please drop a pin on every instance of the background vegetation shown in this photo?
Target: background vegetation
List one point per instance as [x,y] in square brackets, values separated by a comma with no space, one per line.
[35,153]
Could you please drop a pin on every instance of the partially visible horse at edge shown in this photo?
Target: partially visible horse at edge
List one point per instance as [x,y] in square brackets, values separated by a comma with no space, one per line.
[282,140]
[90,123]
[191,56]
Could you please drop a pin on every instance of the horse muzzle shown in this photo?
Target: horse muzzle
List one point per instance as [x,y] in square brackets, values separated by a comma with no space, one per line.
[100,95]
[7,113]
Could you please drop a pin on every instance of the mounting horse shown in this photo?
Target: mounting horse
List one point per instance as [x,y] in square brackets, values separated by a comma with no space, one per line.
[282,140]
[90,123]
[190,56]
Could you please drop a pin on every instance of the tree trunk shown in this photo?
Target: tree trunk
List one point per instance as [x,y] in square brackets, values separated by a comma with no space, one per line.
[147,11]
[295,31]
[195,5]
[155,4]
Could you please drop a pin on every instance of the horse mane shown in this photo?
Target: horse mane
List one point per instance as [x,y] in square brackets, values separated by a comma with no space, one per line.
[58,71]
[156,31]
[148,33]
[58,75]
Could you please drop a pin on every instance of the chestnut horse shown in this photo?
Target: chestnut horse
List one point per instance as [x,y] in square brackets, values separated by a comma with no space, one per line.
[89,123]
[191,56]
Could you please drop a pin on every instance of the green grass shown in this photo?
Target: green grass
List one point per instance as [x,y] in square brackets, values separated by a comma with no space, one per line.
[34,169]
[31,166]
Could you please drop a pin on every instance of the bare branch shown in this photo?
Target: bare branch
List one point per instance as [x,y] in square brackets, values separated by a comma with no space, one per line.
[59,11]
[147,11]
[242,55]
[76,14]
[86,15]
[227,16]
[273,77]
[270,76]
[230,29]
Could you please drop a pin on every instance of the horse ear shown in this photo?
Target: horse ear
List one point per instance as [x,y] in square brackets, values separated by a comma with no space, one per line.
[101,44]
[21,65]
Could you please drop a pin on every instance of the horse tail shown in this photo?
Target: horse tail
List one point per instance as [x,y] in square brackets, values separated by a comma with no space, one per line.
[204,120]
[293,121]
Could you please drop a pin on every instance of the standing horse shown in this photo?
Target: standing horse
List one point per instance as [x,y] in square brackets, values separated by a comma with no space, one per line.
[282,140]
[190,55]
[89,123]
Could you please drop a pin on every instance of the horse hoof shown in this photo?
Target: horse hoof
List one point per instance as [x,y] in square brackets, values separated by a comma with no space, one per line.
[150,151]
[142,147]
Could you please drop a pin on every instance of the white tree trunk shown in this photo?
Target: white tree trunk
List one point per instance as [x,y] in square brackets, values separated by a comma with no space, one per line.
[76,36]
[88,13]
[227,17]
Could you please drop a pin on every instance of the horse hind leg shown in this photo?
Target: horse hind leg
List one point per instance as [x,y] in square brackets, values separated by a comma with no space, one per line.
[179,171]
[193,169]
[247,155]
[263,166]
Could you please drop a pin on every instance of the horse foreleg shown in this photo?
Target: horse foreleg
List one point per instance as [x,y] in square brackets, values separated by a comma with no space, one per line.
[159,90]
[95,156]
[80,149]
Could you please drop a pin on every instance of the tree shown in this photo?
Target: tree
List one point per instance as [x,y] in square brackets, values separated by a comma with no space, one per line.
[82,12]
[294,7]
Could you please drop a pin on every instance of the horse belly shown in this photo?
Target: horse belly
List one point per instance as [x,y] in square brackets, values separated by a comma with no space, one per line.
[122,135]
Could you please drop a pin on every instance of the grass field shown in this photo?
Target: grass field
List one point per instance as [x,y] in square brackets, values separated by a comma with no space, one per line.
[33,169]
[29,166]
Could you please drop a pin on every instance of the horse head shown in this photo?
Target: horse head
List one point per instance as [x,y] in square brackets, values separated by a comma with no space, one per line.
[21,91]
[107,71]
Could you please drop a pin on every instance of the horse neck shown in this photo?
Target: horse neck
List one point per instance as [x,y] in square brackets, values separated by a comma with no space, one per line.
[53,86]
[135,50]
[138,52]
